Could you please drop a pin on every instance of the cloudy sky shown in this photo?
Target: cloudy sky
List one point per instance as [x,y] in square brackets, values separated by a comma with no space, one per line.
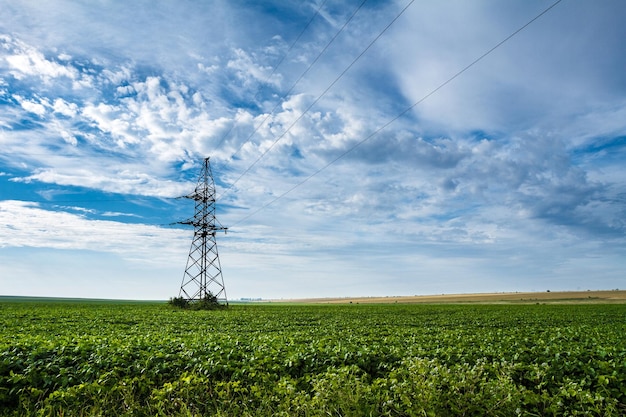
[359,148]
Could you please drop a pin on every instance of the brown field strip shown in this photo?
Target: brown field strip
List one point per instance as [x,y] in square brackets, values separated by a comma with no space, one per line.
[607,296]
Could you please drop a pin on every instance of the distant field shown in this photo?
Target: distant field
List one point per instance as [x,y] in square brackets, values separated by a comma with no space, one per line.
[24,299]
[610,296]
[603,296]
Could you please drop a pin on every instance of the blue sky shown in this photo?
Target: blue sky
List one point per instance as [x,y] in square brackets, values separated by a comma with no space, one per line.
[357,181]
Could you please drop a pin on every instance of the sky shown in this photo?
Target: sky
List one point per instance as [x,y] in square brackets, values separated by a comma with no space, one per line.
[358,148]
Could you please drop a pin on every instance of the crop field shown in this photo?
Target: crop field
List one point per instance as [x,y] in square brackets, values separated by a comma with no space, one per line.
[148,359]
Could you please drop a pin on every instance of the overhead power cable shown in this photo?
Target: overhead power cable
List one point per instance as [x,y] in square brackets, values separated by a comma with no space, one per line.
[317,99]
[405,111]
[317,12]
[282,99]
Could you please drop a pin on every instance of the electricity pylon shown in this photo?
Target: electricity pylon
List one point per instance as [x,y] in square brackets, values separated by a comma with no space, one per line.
[203,273]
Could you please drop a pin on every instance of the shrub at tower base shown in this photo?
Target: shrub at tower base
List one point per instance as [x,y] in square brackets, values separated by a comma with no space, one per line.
[209,302]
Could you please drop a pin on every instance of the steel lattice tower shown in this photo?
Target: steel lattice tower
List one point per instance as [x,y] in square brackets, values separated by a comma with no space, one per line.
[203,273]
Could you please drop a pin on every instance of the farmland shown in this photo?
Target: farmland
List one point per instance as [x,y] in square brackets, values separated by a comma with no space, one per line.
[99,358]
[610,296]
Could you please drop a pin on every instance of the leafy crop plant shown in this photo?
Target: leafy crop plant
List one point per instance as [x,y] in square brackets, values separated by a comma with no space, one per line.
[146,359]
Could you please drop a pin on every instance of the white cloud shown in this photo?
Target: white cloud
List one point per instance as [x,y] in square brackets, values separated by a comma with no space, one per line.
[31,106]
[248,70]
[66,109]
[108,179]
[113,120]
[69,138]
[210,69]
[24,60]
[118,75]
[24,224]
[118,214]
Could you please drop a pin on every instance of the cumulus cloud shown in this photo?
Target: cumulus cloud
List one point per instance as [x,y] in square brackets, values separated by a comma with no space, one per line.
[247,69]
[64,108]
[32,106]
[23,60]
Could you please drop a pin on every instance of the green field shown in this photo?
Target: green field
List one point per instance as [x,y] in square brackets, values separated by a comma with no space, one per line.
[76,358]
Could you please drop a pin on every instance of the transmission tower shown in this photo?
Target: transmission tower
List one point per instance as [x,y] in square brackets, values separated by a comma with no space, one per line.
[203,273]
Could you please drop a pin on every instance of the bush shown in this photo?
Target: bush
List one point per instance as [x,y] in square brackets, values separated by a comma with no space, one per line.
[209,302]
[179,302]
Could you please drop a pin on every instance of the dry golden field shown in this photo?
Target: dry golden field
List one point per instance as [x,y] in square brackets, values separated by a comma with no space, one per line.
[608,296]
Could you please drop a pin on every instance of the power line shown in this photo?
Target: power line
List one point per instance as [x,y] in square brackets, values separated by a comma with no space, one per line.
[317,99]
[317,12]
[282,99]
[405,111]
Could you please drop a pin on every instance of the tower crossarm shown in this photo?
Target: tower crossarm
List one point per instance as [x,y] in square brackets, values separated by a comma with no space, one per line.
[203,225]
[200,197]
